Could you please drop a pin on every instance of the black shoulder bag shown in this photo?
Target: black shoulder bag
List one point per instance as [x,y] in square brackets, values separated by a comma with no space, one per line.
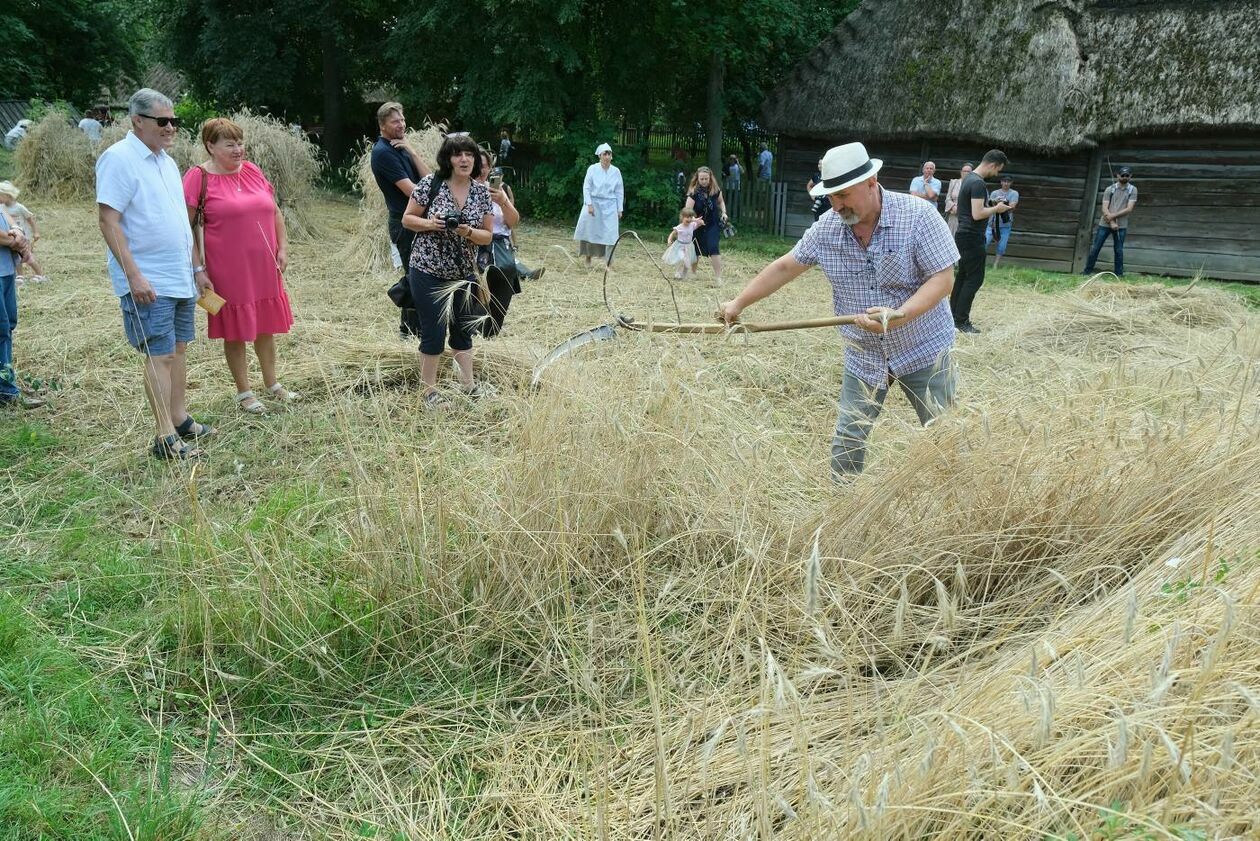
[400,292]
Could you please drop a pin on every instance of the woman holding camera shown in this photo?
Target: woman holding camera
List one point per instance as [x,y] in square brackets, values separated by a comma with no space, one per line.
[451,215]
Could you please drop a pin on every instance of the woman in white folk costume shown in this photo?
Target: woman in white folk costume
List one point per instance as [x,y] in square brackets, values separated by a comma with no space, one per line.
[604,200]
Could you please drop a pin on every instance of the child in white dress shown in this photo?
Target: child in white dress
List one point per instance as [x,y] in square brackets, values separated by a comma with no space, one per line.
[681,241]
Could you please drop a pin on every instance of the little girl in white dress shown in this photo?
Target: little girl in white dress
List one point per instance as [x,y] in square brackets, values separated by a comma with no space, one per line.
[682,250]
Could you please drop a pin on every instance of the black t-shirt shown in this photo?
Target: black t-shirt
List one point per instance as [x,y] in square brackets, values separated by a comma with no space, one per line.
[390,165]
[972,188]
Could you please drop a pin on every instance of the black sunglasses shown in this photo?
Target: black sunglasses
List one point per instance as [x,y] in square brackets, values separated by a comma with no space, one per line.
[163,122]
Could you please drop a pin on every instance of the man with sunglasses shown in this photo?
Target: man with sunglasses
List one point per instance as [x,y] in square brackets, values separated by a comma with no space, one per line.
[1117,203]
[141,212]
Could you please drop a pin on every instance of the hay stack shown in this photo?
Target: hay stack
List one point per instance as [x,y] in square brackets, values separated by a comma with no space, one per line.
[291,163]
[186,150]
[368,246]
[1189,306]
[55,159]
[1109,319]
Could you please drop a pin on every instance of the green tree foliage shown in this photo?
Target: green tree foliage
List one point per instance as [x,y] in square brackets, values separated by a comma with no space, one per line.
[69,49]
[299,58]
[550,64]
[538,62]
[564,164]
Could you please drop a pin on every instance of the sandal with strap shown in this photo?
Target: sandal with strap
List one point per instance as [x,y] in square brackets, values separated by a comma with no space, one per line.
[191,430]
[282,394]
[171,448]
[479,391]
[434,401]
[249,403]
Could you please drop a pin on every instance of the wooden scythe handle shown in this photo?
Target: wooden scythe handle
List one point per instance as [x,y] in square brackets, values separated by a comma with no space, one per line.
[742,327]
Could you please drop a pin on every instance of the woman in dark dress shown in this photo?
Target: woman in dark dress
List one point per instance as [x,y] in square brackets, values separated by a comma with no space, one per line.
[704,196]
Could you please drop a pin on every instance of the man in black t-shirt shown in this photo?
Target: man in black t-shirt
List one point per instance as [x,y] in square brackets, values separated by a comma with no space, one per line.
[397,169]
[973,218]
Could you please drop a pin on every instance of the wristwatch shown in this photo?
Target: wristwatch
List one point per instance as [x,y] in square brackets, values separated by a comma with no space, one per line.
[197,269]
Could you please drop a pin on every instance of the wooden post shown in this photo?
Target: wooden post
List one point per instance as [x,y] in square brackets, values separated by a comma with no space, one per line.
[1085,223]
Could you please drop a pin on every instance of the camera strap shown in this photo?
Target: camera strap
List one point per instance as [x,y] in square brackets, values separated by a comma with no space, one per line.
[435,184]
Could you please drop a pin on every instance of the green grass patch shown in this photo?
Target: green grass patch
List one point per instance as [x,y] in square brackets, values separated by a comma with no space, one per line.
[76,760]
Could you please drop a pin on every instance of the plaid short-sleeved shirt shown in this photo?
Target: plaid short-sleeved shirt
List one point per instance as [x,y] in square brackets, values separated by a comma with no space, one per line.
[911,243]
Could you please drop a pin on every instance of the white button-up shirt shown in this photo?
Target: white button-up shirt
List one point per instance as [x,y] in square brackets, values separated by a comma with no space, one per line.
[146,189]
[910,243]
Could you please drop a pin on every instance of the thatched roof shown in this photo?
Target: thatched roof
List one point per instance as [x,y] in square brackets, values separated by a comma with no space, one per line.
[1049,75]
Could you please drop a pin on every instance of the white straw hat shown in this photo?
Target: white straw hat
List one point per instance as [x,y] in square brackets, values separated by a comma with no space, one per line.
[844,166]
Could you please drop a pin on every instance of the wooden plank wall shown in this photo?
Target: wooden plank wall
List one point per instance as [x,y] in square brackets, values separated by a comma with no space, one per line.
[1050,191]
[1198,199]
[799,160]
[1198,205]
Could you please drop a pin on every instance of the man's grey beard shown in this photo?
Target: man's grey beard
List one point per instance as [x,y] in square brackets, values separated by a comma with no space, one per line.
[849,219]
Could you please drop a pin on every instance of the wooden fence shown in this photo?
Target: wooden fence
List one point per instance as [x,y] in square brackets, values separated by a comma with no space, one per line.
[758,205]
[690,144]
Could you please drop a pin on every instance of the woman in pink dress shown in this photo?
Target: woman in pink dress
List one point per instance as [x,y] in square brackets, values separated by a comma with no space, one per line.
[240,245]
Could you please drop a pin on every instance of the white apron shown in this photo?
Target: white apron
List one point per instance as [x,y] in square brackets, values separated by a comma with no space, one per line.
[603,189]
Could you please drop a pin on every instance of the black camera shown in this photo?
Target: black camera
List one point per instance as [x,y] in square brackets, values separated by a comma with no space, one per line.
[452,221]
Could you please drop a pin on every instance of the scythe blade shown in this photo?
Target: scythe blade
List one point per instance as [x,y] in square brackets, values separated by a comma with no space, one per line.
[566,348]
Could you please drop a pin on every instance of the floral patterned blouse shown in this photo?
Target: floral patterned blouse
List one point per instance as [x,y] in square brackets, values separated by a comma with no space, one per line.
[444,253]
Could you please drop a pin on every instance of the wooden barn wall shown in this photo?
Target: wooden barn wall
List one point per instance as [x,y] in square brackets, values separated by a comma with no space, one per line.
[1198,209]
[1050,191]
[1198,199]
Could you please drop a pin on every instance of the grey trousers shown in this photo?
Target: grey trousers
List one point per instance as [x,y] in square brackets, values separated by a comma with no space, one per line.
[929,390]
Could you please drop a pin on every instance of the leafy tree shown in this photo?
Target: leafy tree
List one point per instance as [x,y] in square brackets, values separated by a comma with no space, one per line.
[544,63]
[740,52]
[563,167]
[69,49]
[303,58]
[551,63]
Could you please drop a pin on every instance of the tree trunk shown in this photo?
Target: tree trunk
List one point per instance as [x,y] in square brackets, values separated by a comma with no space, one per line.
[334,138]
[715,111]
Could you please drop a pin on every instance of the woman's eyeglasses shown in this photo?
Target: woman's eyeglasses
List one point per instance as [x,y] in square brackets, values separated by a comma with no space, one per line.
[163,122]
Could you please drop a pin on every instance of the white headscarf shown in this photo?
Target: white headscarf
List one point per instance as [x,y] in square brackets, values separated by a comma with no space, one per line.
[601,149]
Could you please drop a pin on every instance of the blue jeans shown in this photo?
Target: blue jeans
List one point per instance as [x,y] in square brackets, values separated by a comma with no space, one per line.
[930,391]
[8,321]
[1118,248]
[1004,236]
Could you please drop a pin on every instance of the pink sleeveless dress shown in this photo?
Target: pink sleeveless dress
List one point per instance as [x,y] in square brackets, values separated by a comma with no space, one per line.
[240,246]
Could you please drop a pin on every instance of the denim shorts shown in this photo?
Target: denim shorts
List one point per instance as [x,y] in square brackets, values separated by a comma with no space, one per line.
[153,329]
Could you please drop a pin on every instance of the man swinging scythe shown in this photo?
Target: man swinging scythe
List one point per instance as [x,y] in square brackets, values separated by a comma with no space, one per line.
[890,260]
[880,251]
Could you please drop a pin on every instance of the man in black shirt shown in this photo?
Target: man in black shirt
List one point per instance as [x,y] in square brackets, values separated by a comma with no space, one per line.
[973,218]
[397,169]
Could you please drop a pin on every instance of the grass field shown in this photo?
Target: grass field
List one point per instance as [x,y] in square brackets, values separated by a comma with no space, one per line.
[630,604]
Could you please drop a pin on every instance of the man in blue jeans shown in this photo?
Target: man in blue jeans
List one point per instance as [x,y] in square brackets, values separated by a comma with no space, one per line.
[1117,203]
[11,242]
[880,251]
